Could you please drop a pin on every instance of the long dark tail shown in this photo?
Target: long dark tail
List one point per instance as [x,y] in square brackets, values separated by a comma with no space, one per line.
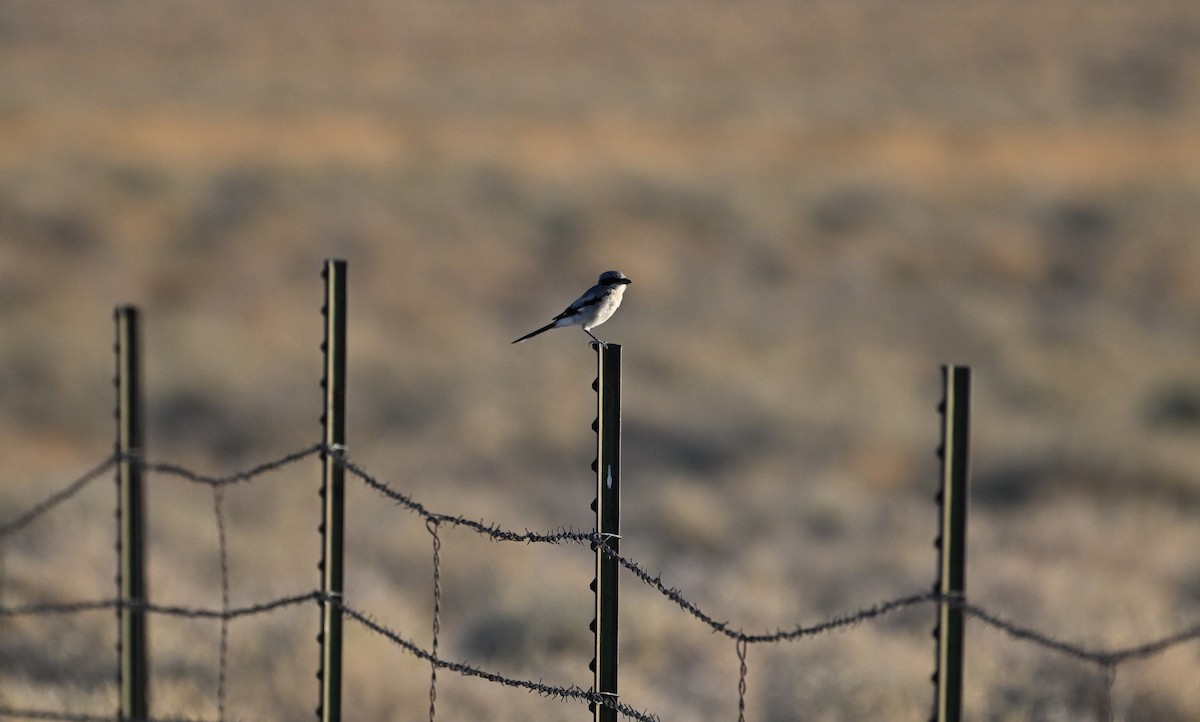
[531,334]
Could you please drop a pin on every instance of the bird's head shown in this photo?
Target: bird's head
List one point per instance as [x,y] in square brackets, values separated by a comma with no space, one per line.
[613,278]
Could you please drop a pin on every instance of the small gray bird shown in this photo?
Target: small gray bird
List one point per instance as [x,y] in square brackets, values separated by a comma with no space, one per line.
[594,307]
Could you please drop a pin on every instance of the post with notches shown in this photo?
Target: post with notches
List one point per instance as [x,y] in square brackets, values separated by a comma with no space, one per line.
[952,542]
[131,570]
[608,524]
[333,490]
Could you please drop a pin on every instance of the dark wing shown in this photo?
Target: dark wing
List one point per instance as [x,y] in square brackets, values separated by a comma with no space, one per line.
[568,312]
[591,297]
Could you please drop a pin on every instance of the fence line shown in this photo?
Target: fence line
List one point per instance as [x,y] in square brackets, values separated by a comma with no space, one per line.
[58,497]
[437,616]
[218,507]
[557,692]
[1099,657]
[1107,659]
[19,713]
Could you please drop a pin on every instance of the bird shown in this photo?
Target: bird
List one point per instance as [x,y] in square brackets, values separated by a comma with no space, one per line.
[594,307]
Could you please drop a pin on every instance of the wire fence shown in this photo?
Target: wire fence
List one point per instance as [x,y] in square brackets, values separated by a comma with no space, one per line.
[1108,660]
[131,601]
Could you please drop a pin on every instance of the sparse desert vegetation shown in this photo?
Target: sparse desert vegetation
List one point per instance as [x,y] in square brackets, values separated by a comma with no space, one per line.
[818,203]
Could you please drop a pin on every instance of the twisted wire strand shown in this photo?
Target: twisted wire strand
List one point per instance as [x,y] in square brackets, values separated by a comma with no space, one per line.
[151,608]
[1107,659]
[63,716]
[1100,657]
[546,690]
[492,531]
[218,498]
[741,645]
[235,478]
[70,490]
[1047,641]
[437,615]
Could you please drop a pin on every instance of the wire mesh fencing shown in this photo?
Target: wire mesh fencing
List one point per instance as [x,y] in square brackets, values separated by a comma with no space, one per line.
[338,606]
[1107,660]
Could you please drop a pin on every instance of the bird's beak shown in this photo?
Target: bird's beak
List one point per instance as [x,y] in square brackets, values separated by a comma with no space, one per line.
[626,281]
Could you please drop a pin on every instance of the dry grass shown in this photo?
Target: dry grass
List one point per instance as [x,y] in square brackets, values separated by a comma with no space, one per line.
[818,205]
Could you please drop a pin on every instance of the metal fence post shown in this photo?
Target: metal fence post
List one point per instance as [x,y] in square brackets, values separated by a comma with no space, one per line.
[952,541]
[608,523]
[333,421]
[131,566]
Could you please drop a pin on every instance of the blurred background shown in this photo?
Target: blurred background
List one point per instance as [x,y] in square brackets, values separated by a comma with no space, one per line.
[818,204]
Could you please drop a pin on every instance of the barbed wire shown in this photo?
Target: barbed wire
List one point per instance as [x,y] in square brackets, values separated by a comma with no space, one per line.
[1100,657]
[51,715]
[57,497]
[218,507]
[432,526]
[167,610]
[47,608]
[76,486]
[234,478]
[493,531]
[497,533]
[798,632]
[553,691]
[63,716]
[1107,659]
[546,690]
[741,647]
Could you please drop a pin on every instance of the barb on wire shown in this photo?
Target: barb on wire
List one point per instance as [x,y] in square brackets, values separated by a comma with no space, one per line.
[57,497]
[166,610]
[232,613]
[555,692]
[829,625]
[495,532]
[1107,659]
[499,534]
[1103,658]
[235,478]
[22,610]
[846,620]
[18,713]
[51,715]
[1150,649]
